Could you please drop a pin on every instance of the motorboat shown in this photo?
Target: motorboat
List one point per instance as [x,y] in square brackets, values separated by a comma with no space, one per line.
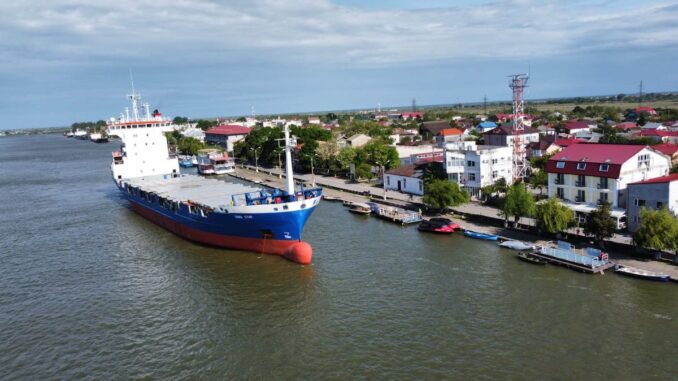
[642,274]
[516,245]
[478,235]
[439,225]
[360,208]
[527,257]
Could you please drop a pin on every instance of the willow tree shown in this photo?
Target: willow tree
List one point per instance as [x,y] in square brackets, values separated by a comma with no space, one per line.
[518,203]
[554,217]
[442,194]
[658,230]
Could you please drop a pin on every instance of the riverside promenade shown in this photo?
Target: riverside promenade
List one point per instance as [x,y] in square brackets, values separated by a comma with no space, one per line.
[472,216]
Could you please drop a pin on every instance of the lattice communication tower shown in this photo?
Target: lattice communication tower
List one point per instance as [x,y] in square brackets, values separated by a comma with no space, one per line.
[518,83]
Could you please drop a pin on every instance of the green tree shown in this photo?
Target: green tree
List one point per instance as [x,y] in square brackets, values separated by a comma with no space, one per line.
[658,230]
[599,223]
[539,180]
[205,125]
[346,157]
[554,217]
[364,171]
[180,120]
[518,203]
[442,194]
[190,146]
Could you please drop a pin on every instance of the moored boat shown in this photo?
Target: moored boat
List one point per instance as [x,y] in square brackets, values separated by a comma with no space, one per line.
[641,274]
[185,161]
[360,208]
[394,214]
[438,225]
[478,235]
[527,257]
[516,245]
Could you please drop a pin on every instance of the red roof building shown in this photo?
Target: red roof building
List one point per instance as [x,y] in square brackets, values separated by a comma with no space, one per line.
[645,109]
[450,132]
[226,135]
[625,126]
[568,142]
[228,129]
[574,126]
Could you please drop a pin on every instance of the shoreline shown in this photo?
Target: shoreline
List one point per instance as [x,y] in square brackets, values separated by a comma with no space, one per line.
[267,177]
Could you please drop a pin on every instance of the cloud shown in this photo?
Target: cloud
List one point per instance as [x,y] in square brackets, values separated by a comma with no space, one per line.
[77,32]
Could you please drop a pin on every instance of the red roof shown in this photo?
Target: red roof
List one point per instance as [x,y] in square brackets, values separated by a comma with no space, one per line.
[625,125]
[508,130]
[568,142]
[646,109]
[415,114]
[593,155]
[450,132]
[666,148]
[657,180]
[656,132]
[228,129]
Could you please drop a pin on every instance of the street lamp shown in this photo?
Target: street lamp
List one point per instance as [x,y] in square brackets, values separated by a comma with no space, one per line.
[312,156]
[383,172]
[256,157]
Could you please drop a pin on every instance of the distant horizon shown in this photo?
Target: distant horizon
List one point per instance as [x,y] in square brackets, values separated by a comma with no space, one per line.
[404,108]
[63,61]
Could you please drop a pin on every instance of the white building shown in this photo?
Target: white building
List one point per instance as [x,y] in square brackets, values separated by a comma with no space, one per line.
[475,166]
[585,175]
[195,133]
[657,193]
[412,154]
[405,179]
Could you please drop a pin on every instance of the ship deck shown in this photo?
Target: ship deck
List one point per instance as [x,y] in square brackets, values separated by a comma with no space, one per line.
[209,192]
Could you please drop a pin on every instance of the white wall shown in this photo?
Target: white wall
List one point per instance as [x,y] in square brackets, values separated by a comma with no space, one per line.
[410,185]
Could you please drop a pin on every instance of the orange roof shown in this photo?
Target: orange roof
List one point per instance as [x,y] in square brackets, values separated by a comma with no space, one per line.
[450,132]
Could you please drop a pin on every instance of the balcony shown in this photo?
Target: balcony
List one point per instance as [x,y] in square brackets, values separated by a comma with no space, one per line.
[558,181]
[580,199]
[603,186]
[580,184]
[601,201]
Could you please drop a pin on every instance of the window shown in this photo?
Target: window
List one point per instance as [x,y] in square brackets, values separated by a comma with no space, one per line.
[388,180]
[470,163]
[472,177]
[495,161]
[604,167]
[644,160]
[581,196]
[603,197]
[495,174]
[560,164]
[581,181]
[581,166]
[404,183]
[421,186]
[660,204]
[603,183]
[560,192]
[639,202]
[560,178]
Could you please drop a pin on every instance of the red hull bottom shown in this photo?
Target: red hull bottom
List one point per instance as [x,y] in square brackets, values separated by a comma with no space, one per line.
[296,251]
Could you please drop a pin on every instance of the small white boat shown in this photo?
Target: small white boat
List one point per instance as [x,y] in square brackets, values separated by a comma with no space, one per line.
[516,245]
[330,198]
[642,274]
[360,208]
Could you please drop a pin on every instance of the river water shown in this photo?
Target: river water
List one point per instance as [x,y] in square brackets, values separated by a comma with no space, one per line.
[90,290]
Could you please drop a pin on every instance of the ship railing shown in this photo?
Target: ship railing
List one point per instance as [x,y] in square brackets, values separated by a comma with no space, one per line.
[275,196]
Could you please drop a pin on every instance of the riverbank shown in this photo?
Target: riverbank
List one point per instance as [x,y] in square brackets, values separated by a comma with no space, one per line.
[470,216]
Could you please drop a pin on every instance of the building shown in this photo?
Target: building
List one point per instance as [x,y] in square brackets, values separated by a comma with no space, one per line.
[504,136]
[406,179]
[226,135]
[357,140]
[485,126]
[412,154]
[572,127]
[645,110]
[412,115]
[626,126]
[195,133]
[668,149]
[660,135]
[475,166]
[545,146]
[657,193]
[449,135]
[584,175]
[434,127]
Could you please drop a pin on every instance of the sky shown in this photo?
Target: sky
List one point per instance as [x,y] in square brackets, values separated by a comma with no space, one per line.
[65,61]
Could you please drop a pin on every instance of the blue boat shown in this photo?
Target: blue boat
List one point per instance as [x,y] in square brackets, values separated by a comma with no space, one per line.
[477,235]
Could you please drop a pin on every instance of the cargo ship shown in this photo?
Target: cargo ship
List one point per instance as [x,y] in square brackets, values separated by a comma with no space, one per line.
[208,211]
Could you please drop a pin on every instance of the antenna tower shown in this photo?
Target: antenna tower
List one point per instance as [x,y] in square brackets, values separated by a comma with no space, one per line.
[640,94]
[414,105]
[485,105]
[518,83]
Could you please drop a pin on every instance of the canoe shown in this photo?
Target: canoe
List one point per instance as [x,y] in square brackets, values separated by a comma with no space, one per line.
[477,235]
[641,274]
[516,245]
[526,257]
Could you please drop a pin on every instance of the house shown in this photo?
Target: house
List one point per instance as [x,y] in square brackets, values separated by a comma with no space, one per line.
[504,136]
[584,175]
[485,126]
[545,146]
[626,126]
[588,136]
[668,149]
[433,127]
[572,127]
[475,166]
[546,129]
[357,140]
[645,110]
[562,143]
[412,115]
[226,135]
[314,120]
[660,135]
[408,178]
[657,193]
[653,126]
[195,133]
[412,154]
[449,135]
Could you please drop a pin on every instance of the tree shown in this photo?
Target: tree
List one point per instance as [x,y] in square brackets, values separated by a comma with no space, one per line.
[599,223]
[518,203]
[190,146]
[180,120]
[539,180]
[206,124]
[364,171]
[442,194]
[346,157]
[554,217]
[658,230]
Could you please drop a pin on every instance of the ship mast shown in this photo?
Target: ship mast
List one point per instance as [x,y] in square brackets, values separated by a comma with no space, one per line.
[288,162]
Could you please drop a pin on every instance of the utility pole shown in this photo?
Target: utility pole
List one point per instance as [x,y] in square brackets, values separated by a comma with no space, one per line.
[640,93]
[414,105]
[485,105]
